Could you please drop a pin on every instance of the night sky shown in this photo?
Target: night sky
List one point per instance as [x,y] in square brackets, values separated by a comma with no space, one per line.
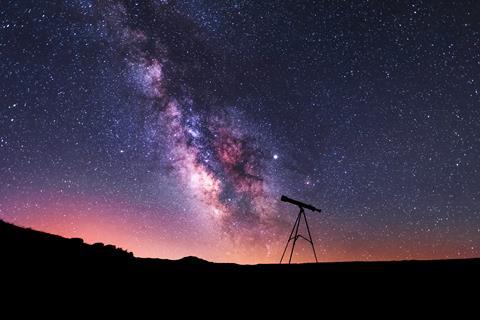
[172,128]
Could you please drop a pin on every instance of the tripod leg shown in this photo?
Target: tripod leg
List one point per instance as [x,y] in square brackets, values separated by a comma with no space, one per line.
[295,238]
[290,237]
[310,236]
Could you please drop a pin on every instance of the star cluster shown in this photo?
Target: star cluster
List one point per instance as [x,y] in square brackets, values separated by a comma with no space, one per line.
[171,128]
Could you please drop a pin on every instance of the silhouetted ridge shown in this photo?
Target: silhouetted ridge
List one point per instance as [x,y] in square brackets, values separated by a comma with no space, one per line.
[30,250]
[27,247]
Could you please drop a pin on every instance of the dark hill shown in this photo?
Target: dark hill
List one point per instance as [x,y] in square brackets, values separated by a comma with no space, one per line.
[30,251]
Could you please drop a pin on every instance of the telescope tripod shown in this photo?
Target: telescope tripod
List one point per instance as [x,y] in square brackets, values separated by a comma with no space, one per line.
[296,236]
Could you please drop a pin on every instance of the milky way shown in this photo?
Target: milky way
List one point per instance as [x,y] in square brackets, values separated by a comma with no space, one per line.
[208,147]
[172,128]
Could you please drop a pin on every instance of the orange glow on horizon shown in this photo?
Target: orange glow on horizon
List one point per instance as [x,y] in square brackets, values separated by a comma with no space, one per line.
[147,233]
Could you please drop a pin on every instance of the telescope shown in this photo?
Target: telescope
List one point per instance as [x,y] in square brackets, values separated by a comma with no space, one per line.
[299,203]
[294,235]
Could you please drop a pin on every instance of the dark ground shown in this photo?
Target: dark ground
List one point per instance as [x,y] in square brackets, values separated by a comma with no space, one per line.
[32,255]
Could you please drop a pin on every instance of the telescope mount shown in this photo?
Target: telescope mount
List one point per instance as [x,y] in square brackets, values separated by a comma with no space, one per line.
[294,235]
